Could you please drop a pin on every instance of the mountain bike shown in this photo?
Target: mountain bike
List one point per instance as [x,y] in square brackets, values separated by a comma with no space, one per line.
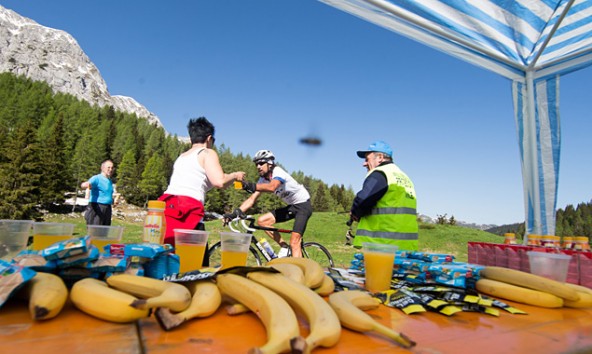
[257,253]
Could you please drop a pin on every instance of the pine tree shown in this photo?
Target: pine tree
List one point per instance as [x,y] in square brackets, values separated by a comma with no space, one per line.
[20,175]
[153,182]
[56,179]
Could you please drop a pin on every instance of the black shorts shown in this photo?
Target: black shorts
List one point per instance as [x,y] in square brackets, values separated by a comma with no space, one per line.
[299,212]
[98,214]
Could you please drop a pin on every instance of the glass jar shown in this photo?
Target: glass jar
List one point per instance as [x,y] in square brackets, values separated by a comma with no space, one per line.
[155,222]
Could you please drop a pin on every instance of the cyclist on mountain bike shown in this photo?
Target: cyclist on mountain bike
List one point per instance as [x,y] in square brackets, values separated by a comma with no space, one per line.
[274,179]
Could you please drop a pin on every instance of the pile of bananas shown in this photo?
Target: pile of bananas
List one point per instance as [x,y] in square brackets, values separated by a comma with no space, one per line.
[532,289]
[295,286]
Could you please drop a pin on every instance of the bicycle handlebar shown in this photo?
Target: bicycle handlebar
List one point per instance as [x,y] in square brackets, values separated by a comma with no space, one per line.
[251,227]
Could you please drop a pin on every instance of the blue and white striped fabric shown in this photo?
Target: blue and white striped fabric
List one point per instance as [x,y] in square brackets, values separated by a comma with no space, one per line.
[531,42]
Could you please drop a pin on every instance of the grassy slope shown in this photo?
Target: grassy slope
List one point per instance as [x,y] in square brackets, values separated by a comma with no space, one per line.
[329,229]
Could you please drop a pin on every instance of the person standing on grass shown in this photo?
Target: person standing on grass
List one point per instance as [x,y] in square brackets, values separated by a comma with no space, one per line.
[386,207]
[195,172]
[274,179]
[98,211]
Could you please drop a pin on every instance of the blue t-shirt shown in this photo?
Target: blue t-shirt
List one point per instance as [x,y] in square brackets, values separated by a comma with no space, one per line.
[101,189]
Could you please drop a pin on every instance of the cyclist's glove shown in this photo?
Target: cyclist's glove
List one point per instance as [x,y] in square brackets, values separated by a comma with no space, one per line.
[250,187]
[237,213]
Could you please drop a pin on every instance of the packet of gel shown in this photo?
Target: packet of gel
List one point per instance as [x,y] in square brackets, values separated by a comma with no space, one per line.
[67,248]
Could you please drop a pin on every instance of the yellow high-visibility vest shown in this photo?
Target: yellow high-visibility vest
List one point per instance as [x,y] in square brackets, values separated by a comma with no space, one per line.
[393,220]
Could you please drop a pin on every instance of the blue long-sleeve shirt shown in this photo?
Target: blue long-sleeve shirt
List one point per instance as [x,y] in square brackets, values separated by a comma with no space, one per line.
[374,187]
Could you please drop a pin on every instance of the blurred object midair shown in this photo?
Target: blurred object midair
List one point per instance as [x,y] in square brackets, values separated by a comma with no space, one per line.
[311,141]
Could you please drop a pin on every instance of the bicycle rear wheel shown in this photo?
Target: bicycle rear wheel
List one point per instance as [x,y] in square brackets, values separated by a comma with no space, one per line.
[319,253]
[215,256]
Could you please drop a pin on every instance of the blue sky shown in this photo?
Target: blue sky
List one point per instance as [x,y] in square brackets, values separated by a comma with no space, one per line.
[269,72]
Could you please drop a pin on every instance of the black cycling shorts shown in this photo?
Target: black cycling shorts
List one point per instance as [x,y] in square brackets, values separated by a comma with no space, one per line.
[299,212]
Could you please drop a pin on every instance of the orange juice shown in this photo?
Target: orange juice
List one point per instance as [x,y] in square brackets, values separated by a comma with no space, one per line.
[191,256]
[379,270]
[102,242]
[238,185]
[43,241]
[233,258]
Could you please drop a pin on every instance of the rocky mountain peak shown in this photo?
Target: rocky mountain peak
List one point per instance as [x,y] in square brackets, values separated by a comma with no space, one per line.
[45,54]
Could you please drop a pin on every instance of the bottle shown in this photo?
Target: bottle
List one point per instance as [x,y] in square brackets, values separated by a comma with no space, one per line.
[155,222]
[568,242]
[267,247]
[509,238]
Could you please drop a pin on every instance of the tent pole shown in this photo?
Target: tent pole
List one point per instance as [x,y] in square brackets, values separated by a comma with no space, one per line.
[533,192]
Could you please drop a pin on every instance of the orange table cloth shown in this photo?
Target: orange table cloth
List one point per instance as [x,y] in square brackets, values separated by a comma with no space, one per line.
[541,331]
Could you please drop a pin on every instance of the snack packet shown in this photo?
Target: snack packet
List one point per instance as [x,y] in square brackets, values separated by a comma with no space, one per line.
[12,277]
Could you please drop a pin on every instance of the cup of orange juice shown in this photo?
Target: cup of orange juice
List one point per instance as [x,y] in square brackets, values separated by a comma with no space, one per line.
[103,235]
[14,236]
[235,247]
[190,246]
[238,185]
[46,234]
[378,264]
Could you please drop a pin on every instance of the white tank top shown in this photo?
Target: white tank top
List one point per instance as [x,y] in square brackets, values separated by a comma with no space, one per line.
[189,178]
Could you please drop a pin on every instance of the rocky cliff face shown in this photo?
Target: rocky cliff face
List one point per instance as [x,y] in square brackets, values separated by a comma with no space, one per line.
[46,54]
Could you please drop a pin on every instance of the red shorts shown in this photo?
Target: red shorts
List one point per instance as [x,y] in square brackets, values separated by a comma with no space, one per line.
[181,212]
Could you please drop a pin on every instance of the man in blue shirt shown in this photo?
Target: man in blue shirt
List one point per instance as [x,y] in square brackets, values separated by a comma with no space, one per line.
[99,211]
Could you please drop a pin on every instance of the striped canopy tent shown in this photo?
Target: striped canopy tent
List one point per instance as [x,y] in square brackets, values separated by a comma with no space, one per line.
[532,43]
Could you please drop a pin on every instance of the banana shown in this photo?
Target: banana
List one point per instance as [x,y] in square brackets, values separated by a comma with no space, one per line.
[275,313]
[325,328]
[291,271]
[236,309]
[519,294]
[96,298]
[327,287]
[46,294]
[585,300]
[531,281]
[313,272]
[152,292]
[352,317]
[205,301]
[579,288]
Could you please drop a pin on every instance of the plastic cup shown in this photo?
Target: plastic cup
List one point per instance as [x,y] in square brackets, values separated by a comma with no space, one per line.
[378,264]
[235,248]
[46,234]
[14,235]
[549,265]
[238,185]
[103,235]
[190,246]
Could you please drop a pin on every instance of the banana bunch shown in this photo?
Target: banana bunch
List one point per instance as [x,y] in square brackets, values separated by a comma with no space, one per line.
[325,328]
[97,299]
[205,300]
[275,313]
[532,289]
[46,294]
[152,292]
[313,272]
[349,307]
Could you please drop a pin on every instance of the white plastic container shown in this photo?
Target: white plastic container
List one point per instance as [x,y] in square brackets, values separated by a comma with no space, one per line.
[549,265]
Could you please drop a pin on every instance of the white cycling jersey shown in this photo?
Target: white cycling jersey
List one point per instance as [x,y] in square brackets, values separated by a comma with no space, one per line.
[290,191]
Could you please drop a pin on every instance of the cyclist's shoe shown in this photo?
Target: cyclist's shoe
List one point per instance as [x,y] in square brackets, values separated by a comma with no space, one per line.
[283,252]
[349,236]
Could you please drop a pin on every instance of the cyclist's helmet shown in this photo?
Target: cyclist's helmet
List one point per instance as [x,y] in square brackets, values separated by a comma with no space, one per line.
[264,156]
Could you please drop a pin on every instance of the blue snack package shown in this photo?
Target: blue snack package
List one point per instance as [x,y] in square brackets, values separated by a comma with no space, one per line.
[109,263]
[12,278]
[34,260]
[146,250]
[67,248]
[162,266]
[89,256]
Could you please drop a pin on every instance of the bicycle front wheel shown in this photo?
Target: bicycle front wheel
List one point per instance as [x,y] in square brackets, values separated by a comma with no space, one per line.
[215,256]
[318,253]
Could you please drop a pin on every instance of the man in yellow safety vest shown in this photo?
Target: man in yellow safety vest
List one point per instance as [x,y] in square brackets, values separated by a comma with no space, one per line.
[386,206]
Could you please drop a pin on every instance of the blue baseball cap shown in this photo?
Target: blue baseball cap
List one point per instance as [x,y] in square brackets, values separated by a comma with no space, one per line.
[377,146]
